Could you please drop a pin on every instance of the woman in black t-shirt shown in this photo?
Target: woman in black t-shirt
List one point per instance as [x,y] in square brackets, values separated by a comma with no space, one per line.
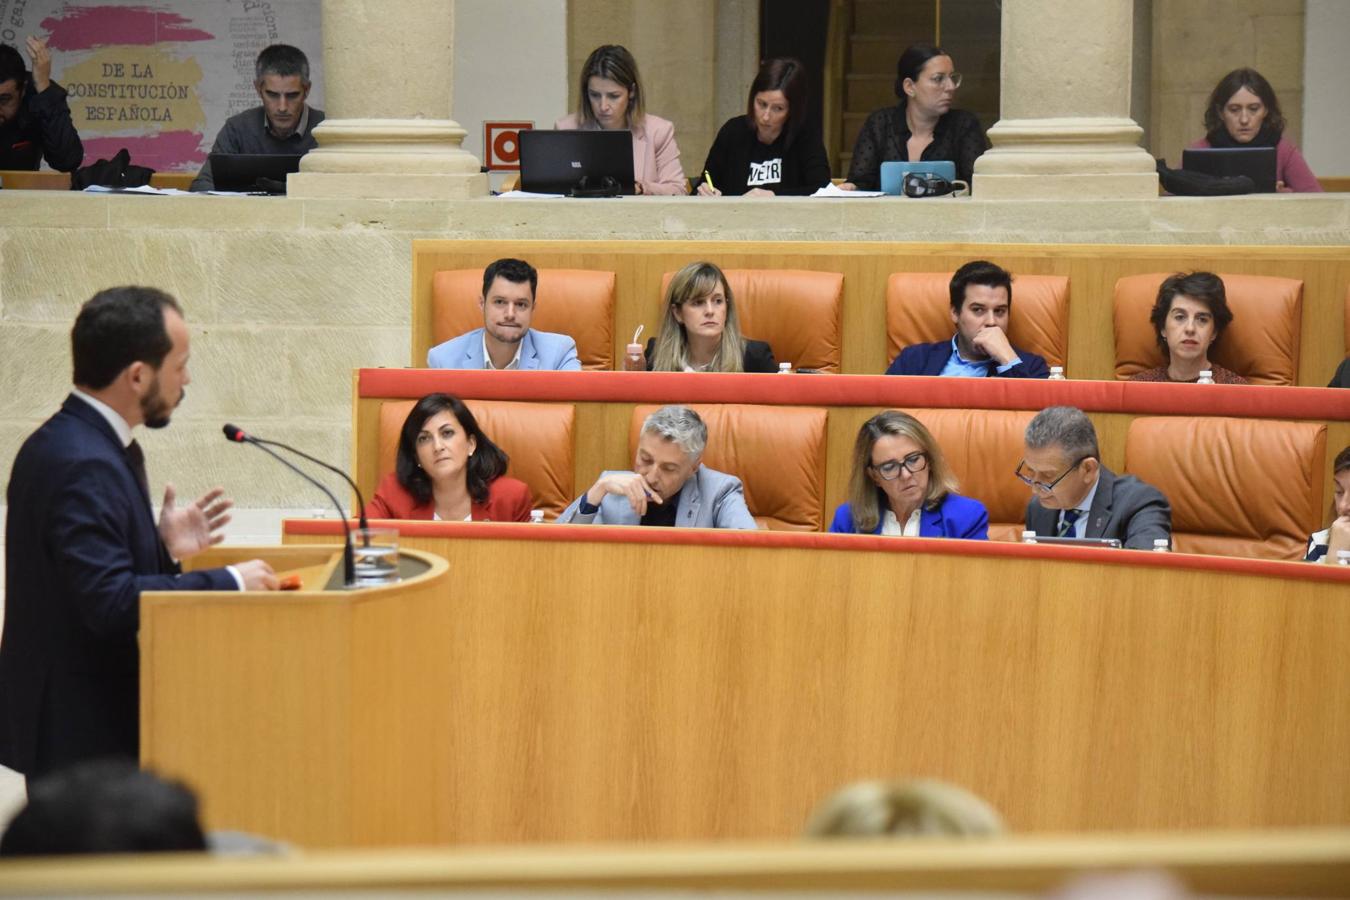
[769,150]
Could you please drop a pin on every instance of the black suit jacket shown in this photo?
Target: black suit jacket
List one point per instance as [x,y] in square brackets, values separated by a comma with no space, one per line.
[1124,507]
[81,545]
[758,356]
[1342,377]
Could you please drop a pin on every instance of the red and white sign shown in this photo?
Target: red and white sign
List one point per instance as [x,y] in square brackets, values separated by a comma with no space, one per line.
[501,145]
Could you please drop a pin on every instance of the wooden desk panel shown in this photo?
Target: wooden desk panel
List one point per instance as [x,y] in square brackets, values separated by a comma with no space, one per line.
[47,180]
[626,684]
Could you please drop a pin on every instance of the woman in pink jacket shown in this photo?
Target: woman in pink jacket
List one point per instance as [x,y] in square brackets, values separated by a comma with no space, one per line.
[1243,112]
[611,97]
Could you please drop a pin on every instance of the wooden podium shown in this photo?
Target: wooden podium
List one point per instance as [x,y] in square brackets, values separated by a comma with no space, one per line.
[300,714]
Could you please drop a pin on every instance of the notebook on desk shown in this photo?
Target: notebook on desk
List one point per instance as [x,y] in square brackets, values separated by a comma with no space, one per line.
[555,162]
[254,173]
[1257,163]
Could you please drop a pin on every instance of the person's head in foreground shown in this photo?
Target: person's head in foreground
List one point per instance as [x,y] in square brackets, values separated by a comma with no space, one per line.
[104,806]
[916,808]
[441,446]
[897,465]
[1061,461]
[700,329]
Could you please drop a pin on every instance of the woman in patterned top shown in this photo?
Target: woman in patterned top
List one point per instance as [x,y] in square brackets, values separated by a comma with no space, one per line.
[923,126]
[1190,314]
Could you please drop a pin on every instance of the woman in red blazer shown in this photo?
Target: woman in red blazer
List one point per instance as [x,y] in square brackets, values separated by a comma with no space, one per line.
[448,469]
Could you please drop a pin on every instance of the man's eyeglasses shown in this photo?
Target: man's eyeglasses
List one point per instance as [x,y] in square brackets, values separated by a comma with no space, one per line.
[890,469]
[940,79]
[1041,485]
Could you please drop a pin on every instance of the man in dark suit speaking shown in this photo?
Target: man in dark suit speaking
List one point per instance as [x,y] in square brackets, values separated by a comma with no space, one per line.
[82,541]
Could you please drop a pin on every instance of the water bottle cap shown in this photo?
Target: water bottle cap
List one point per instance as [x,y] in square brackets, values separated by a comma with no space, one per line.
[1206,373]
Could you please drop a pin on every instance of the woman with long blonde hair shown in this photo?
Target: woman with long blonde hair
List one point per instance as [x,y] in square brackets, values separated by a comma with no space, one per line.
[700,331]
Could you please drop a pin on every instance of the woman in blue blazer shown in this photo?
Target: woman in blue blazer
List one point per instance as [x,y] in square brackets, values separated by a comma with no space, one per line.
[901,485]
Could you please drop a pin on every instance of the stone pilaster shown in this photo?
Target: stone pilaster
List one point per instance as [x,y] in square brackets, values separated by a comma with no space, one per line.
[388,81]
[1066,131]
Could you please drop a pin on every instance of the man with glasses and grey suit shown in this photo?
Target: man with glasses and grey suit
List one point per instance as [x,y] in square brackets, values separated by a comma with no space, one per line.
[1074,495]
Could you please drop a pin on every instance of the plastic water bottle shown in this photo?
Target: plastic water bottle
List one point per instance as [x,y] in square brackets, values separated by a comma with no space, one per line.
[1206,377]
[1057,373]
[633,360]
[1162,545]
[785,368]
[1343,557]
[536,517]
[1028,537]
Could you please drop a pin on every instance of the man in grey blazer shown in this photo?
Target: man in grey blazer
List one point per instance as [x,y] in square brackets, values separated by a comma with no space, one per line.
[670,485]
[1074,495]
[506,340]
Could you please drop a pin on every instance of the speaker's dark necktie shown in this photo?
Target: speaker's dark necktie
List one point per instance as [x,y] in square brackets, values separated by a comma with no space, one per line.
[1071,517]
[137,459]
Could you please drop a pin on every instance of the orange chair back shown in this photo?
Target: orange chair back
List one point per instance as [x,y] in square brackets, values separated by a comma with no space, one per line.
[1238,487]
[799,313]
[918,311]
[575,302]
[1261,344]
[539,438]
[983,448]
[778,452]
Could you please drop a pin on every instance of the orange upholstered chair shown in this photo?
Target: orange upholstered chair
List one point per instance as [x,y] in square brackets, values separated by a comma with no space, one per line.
[1261,344]
[983,448]
[918,311]
[1238,487]
[575,302]
[539,438]
[778,453]
[1347,321]
[799,313]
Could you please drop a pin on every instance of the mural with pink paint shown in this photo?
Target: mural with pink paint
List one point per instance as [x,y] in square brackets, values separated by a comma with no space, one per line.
[161,79]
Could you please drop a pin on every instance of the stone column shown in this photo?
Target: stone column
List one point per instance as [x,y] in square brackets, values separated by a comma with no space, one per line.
[388,81]
[1066,131]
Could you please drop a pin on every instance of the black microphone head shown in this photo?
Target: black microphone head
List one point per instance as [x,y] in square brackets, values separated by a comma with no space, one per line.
[234,433]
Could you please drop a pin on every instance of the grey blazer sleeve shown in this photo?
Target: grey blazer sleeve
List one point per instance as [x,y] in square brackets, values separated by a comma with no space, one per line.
[729,509]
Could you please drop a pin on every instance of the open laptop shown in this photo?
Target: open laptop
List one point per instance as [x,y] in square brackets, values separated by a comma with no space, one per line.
[1079,542]
[893,173]
[254,173]
[554,162]
[1257,163]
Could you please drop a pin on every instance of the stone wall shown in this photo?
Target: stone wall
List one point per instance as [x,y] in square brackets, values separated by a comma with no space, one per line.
[1197,42]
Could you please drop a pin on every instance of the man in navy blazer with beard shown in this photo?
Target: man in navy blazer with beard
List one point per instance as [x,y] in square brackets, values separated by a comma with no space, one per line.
[82,542]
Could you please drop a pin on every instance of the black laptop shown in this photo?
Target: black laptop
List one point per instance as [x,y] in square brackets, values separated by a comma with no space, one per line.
[555,162]
[1257,163]
[252,173]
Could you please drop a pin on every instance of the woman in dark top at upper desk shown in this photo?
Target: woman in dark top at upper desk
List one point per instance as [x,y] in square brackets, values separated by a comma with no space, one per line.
[923,126]
[700,331]
[769,150]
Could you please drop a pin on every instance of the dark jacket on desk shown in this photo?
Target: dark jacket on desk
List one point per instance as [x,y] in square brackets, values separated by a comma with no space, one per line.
[42,130]
[738,162]
[931,359]
[758,356]
[885,137]
[82,544]
[1124,507]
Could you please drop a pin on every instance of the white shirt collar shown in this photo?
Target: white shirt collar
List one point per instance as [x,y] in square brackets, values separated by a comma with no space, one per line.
[515,360]
[890,524]
[119,424]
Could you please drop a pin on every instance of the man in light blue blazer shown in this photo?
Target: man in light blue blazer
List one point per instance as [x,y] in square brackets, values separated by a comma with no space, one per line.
[669,485]
[506,340]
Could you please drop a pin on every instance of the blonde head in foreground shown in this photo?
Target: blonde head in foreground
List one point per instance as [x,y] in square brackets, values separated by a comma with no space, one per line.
[917,808]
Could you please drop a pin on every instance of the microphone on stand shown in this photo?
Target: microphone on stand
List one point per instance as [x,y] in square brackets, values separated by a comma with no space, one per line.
[238,436]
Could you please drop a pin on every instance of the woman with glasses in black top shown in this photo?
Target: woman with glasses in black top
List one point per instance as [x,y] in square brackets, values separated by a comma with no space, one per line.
[924,126]
[901,485]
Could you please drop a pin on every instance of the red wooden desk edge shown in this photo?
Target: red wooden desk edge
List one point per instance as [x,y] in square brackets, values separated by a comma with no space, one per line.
[1245,401]
[614,534]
